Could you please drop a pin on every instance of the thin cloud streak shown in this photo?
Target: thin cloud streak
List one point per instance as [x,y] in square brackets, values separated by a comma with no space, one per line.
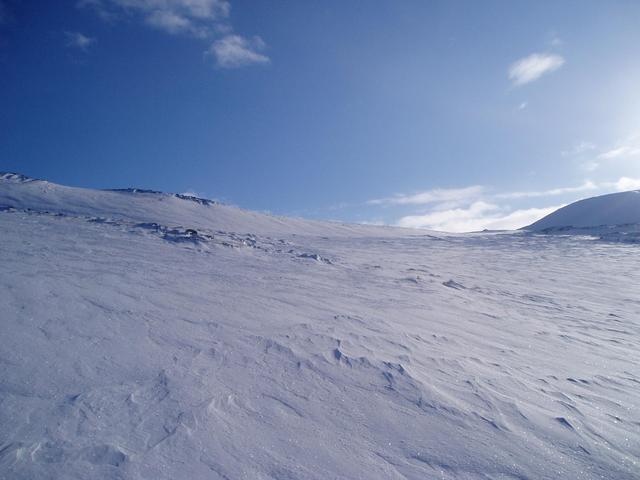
[592,160]
[234,51]
[457,195]
[531,68]
[620,152]
[431,196]
[478,216]
[586,186]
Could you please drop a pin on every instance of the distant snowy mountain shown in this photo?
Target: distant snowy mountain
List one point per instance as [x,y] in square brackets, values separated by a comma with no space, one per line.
[606,210]
[148,335]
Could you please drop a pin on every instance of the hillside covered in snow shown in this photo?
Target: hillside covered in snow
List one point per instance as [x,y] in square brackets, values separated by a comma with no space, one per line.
[614,209]
[148,335]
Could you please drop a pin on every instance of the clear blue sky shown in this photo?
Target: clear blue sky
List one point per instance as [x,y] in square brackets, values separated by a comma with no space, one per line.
[454,115]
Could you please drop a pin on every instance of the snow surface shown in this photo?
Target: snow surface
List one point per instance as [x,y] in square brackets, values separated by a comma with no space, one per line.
[147,336]
[621,208]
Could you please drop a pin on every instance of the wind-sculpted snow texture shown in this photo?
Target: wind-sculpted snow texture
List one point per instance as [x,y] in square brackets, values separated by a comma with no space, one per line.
[146,336]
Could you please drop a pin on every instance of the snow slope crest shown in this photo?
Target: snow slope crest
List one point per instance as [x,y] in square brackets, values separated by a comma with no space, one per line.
[136,205]
[614,209]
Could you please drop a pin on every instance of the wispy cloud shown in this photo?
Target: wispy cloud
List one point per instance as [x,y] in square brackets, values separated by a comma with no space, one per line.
[203,19]
[586,186]
[622,151]
[624,184]
[531,68]
[479,215]
[453,196]
[195,17]
[172,23]
[593,157]
[233,51]
[431,196]
[79,40]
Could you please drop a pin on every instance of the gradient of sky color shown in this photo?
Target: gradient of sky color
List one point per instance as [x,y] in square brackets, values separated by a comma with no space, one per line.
[451,115]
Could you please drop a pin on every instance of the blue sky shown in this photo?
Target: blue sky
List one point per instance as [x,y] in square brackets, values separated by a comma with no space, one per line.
[449,115]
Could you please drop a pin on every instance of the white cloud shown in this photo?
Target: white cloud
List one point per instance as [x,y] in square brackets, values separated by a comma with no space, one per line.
[531,68]
[455,196]
[592,159]
[519,218]
[453,220]
[624,184]
[79,40]
[623,150]
[523,105]
[588,185]
[479,215]
[169,21]
[233,51]
[195,17]
[613,153]
[432,196]
[620,152]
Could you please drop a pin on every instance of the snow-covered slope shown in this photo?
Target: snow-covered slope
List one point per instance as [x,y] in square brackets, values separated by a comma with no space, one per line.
[606,210]
[145,336]
[138,205]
